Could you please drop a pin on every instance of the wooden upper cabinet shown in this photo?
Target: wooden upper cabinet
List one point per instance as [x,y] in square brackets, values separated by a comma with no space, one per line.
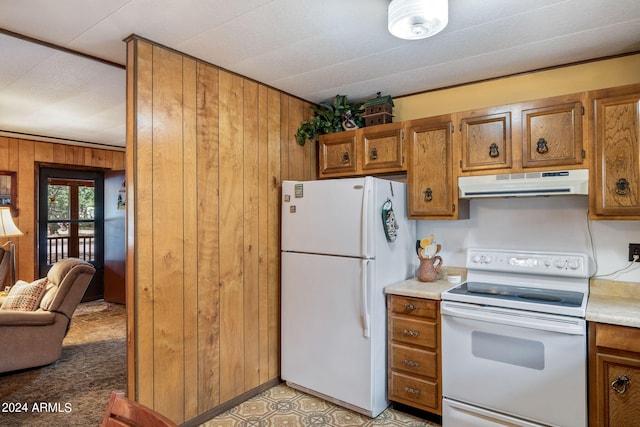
[486,141]
[431,187]
[371,150]
[552,135]
[338,153]
[382,147]
[617,152]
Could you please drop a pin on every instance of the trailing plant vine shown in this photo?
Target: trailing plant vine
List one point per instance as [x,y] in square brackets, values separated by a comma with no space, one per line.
[330,117]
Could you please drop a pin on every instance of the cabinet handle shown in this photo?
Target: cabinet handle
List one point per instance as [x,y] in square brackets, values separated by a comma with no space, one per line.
[411,390]
[345,157]
[493,150]
[541,146]
[411,307]
[620,384]
[373,155]
[428,195]
[411,333]
[411,363]
[622,187]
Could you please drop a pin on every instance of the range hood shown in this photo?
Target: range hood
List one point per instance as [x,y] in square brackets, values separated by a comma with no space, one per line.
[550,183]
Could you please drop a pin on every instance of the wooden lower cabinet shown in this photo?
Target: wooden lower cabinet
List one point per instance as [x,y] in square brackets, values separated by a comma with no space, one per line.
[614,375]
[414,353]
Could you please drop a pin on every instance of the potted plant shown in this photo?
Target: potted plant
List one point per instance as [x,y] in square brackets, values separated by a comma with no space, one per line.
[330,117]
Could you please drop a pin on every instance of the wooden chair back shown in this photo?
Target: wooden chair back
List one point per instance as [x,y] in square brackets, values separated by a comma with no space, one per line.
[122,412]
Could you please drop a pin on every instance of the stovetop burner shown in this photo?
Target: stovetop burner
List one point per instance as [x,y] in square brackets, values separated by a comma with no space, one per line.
[520,293]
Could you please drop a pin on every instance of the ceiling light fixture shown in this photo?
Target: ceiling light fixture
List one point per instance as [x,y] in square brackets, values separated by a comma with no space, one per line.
[417,19]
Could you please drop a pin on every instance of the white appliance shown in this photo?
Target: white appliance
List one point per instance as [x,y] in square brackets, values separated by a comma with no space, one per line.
[336,261]
[514,348]
[525,184]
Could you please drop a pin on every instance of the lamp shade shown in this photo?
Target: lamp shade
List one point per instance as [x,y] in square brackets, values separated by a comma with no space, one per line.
[7,226]
[417,19]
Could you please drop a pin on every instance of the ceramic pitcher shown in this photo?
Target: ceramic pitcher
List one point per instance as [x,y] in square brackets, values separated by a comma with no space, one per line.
[428,269]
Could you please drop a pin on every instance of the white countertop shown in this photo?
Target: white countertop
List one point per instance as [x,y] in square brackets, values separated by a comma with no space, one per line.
[616,303]
[428,290]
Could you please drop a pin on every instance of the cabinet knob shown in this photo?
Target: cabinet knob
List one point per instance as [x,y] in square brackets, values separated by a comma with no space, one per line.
[428,195]
[620,384]
[411,333]
[493,150]
[622,187]
[373,155]
[345,157]
[411,307]
[541,146]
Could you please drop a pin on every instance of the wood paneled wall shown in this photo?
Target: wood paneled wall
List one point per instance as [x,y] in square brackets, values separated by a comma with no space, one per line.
[206,153]
[23,157]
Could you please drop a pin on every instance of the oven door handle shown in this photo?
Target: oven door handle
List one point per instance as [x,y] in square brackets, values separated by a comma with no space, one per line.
[563,325]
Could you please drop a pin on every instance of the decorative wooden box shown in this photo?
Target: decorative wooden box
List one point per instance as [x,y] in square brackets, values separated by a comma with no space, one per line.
[378,111]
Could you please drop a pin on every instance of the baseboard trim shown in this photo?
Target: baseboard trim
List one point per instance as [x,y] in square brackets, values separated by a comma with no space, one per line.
[211,413]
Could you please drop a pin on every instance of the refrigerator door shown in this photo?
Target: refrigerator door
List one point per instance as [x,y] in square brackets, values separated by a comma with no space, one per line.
[325,217]
[331,345]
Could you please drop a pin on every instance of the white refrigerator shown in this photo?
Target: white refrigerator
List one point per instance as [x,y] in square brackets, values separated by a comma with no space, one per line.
[343,242]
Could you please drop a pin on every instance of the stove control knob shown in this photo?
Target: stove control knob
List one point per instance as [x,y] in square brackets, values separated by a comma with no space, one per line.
[574,264]
[559,263]
[487,260]
[547,262]
[476,259]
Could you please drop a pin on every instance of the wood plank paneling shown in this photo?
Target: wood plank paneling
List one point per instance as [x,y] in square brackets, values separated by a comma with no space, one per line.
[168,234]
[251,227]
[206,268]
[274,167]
[140,251]
[208,240]
[231,238]
[190,229]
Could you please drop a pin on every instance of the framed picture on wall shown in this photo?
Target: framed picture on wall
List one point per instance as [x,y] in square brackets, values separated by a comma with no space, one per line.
[8,190]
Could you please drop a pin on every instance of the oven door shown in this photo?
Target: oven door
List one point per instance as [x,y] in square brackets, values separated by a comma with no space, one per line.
[516,363]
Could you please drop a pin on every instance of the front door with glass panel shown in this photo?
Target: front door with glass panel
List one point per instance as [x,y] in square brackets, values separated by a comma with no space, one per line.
[71,221]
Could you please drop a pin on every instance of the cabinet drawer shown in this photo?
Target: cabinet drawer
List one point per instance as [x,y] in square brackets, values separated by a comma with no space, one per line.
[618,337]
[414,332]
[414,307]
[411,390]
[414,361]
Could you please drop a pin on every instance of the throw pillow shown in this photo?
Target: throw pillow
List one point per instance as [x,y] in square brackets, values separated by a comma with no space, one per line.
[25,296]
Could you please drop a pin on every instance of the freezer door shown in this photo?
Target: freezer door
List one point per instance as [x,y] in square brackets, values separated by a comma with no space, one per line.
[324,216]
[330,342]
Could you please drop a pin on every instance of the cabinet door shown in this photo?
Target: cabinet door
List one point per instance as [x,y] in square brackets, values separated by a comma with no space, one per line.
[430,184]
[486,142]
[619,380]
[382,148]
[617,156]
[337,154]
[552,136]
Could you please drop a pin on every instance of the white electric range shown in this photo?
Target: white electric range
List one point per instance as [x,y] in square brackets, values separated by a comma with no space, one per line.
[514,340]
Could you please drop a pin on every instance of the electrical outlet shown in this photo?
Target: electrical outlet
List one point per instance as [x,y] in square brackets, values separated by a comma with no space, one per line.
[634,250]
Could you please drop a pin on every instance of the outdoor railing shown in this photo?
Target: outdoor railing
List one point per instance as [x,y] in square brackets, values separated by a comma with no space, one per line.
[58,248]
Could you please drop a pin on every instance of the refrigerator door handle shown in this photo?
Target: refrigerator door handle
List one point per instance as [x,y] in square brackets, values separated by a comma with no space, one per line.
[365,217]
[365,300]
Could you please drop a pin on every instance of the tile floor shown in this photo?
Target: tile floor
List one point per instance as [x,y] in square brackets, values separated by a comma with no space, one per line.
[282,406]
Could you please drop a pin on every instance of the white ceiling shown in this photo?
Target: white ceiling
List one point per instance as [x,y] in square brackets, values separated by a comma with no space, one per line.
[309,48]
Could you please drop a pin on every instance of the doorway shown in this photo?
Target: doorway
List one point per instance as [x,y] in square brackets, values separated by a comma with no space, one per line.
[71,222]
